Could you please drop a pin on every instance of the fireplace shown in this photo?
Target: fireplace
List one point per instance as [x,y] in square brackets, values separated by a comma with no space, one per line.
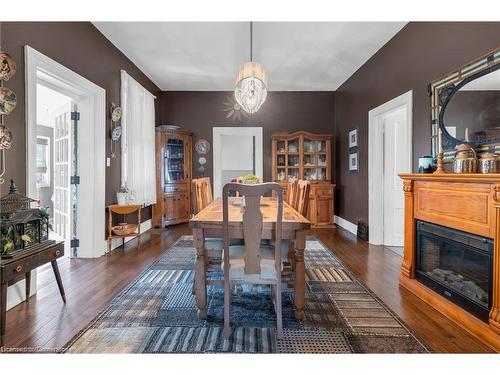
[457,265]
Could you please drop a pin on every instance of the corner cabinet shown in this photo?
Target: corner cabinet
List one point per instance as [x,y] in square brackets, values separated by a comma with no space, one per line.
[307,156]
[173,177]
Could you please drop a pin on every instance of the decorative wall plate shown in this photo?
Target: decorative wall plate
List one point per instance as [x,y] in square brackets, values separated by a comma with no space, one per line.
[202,146]
[7,101]
[7,66]
[202,160]
[116,113]
[116,133]
[5,137]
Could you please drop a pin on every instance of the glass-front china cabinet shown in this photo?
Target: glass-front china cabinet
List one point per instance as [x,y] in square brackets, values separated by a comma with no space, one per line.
[173,176]
[306,156]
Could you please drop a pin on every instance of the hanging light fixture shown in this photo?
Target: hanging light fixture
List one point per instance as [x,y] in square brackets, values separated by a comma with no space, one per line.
[250,90]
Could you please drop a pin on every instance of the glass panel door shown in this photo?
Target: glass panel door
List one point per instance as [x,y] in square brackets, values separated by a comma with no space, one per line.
[174,160]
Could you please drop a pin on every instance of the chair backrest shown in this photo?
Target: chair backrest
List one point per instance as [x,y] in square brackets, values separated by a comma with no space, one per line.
[302,201]
[252,223]
[241,180]
[202,193]
[291,195]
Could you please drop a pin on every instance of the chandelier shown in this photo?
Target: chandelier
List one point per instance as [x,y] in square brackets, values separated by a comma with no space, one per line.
[250,90]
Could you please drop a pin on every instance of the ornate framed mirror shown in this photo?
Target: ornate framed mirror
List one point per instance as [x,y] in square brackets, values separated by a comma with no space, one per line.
[465,107]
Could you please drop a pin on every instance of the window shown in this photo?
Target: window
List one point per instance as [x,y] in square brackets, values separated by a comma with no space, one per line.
[42,161]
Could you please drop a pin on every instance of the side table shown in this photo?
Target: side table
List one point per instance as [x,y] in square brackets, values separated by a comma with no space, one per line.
[123,210]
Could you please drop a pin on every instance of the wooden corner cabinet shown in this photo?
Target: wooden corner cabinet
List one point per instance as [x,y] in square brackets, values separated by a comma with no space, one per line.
[306,156]
[173,177]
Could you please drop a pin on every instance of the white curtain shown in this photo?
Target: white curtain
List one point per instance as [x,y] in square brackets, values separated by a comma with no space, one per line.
[138,141]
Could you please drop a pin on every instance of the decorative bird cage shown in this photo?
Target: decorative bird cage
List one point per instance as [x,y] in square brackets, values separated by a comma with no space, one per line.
[20,225]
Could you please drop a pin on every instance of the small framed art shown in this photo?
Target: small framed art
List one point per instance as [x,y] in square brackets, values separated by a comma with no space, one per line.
[353,138]
[353,162]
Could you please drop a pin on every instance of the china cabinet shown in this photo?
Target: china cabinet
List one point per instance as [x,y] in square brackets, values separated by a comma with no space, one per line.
[306,156]
[173,177]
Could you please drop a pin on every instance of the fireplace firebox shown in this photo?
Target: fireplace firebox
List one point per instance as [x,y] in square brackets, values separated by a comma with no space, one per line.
[457,265]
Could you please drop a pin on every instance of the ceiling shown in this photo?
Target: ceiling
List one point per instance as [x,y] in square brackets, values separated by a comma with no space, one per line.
[205,56]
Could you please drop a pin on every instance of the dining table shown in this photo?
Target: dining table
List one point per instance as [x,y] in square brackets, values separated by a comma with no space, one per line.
[208,224]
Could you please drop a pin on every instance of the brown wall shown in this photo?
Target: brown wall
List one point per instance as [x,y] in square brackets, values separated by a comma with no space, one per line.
[198,112]
[82,48]
[418,54]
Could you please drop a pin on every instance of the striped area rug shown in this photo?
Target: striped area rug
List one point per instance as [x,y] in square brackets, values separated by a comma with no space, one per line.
[157,314]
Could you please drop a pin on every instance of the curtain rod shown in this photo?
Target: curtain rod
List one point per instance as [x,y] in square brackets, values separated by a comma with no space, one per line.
[124,71]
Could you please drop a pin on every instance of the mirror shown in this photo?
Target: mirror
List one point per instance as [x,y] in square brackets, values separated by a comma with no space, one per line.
[470,110]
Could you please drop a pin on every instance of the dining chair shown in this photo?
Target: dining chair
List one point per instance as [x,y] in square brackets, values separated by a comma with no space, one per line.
[252,263]
[291,195]
[302,200]
[202,193]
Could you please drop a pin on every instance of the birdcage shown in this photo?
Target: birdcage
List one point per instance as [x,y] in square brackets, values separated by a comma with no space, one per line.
[20,225]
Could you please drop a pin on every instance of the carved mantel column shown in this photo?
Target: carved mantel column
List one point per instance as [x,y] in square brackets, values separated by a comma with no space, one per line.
[495,306]
[408,265]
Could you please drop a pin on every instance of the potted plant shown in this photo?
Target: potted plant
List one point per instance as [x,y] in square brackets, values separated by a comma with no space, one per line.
[7,242]
[122,195]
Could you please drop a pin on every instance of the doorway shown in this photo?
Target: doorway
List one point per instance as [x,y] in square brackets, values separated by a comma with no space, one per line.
[237,152]
[56,140]
[389,153]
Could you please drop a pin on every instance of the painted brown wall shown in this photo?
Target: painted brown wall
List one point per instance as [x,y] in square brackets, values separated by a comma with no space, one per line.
[198,112]
[418,54]
[82,48]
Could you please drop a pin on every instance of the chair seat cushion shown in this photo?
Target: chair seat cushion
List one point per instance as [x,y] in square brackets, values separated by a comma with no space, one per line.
[237,264]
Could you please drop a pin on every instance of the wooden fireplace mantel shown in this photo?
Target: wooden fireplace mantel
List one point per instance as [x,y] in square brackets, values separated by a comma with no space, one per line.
[466,202]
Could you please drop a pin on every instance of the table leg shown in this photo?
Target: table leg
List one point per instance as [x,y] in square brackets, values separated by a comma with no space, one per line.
[300,278]
[199,273]
[3,312]
[28,284]
[58,279]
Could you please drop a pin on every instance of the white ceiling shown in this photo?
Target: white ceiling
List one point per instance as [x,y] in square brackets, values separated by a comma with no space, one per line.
[205,56]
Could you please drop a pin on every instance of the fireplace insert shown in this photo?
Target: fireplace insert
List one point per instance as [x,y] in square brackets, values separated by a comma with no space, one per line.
[457,265]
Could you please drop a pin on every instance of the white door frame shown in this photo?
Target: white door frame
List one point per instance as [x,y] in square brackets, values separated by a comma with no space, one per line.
[376,161]
[218,132]
[92,101]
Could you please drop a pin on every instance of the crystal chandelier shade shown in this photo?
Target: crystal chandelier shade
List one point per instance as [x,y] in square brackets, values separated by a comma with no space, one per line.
[250,90]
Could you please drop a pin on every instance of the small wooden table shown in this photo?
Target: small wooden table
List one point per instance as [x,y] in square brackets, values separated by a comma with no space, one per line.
[123,210]
[20,266]
[208,223]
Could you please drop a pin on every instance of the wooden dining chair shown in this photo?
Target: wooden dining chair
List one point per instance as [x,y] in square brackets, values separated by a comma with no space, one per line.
[201,193]
[291,194]
[252,263]
[302,200]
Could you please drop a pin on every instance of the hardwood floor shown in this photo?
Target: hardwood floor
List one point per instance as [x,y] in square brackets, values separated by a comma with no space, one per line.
[90,284]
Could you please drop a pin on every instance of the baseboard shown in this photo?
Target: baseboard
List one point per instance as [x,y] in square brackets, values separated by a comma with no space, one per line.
[347,225]
[117,242]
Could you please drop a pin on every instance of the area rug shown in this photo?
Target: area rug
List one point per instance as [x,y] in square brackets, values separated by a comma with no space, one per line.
[157,314]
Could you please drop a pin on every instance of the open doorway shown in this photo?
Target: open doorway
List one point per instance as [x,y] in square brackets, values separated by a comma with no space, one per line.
[389,153]
[237,152]
[56,141]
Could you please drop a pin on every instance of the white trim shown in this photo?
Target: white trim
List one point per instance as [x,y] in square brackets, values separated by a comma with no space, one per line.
[92,100]
[145,226]
[217,152]
[347,225]
[376,160]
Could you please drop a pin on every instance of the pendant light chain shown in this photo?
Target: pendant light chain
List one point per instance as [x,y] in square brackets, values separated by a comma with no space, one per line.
[251,41]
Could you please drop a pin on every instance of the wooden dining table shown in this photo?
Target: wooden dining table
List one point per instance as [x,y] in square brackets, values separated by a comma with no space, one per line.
[208,223]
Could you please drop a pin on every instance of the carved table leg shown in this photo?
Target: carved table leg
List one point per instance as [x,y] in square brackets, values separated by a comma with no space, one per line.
[58,279]
[199,273]
[3,312]
[300,277]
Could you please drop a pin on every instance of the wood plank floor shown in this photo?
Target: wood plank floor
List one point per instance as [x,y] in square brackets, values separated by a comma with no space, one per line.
[44,321]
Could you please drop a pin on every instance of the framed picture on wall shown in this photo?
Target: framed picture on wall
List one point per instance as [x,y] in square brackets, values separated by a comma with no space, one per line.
[353,138]
[353,162]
